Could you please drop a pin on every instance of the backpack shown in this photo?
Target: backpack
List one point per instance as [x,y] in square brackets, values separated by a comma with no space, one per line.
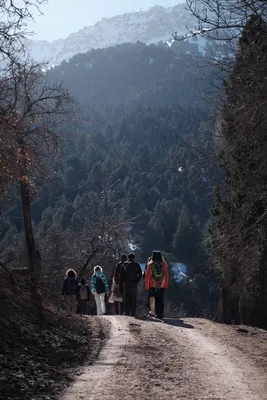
[157,271]
[130,271]
[99,286]
[83,292]
[71,287]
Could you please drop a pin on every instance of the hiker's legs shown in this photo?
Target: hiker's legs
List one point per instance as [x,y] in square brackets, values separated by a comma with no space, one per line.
[98,304]
[133,301]
[79,311]
[159,302]
[67,304]
[126,300]
[102,302]
[71,299]
[130,304]
[151,301]
[116,307]
[83,306]
[148,301]
[152,306]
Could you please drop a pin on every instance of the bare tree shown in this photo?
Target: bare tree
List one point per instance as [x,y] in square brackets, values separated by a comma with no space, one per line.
[14,15]
[34,111]
[221,22]
[98,242]
[224,19]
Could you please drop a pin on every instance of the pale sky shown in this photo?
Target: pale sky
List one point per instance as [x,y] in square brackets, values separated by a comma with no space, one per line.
[62,17]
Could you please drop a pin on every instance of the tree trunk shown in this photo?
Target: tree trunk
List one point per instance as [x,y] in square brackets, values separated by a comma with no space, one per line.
[261,311]
[33,255]
[29,238]
[228,311]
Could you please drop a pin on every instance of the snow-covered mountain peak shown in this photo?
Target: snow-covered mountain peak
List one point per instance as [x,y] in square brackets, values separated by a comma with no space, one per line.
[149,26]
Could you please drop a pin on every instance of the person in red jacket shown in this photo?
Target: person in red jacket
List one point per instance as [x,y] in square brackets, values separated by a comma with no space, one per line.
[156,281]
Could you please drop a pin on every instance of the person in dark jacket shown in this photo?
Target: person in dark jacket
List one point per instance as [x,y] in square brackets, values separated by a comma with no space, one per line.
[83,297]
[130,276]
[70,291]
[117,295]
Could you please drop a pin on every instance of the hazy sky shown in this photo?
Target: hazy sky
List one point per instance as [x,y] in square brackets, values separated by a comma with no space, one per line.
[62,17]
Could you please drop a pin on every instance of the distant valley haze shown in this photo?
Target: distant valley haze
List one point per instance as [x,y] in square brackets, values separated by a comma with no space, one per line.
[62,17]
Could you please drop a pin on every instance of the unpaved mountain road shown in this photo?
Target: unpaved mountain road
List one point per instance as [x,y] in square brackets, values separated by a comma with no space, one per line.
[181,359]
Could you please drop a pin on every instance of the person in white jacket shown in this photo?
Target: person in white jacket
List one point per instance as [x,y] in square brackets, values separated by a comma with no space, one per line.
[99,287]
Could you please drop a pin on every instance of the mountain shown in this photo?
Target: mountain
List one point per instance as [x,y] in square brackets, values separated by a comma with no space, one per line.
[153,25]
[126,155]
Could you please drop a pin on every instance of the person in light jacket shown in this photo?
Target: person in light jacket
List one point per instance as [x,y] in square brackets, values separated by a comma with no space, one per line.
[99,287]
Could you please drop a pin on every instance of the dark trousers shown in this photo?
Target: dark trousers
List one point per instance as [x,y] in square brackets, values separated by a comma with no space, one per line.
[158,293]
[119,307]
[82,306]
[129,300]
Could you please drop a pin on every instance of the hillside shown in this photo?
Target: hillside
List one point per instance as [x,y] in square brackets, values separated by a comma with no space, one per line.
[40,349]
[130,75]
[148,26]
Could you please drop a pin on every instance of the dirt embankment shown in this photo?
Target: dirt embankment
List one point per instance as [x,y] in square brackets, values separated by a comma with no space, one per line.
[38,362]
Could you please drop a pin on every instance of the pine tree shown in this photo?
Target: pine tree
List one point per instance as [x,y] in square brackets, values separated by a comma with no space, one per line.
[239,241]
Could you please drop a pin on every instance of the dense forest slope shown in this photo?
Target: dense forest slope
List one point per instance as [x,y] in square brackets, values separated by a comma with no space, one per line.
[136,158]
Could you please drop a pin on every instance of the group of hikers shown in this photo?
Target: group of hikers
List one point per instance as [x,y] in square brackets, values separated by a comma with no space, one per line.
[126,276]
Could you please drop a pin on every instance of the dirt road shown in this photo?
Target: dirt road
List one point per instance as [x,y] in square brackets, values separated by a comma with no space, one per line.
[180,359]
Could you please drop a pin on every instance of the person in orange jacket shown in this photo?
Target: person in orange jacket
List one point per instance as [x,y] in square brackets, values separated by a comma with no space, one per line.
[156,281]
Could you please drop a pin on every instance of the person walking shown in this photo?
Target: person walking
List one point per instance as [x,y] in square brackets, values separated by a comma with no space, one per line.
[99,287]
[117,294]
[156,281]
[130,276]
[83,297]
[70,291]
[144,277]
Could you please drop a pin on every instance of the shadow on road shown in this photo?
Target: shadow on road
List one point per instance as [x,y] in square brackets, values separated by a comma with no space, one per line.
[177,322]
[169,321]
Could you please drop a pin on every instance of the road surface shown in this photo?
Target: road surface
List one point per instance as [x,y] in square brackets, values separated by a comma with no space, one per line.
[179,359]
